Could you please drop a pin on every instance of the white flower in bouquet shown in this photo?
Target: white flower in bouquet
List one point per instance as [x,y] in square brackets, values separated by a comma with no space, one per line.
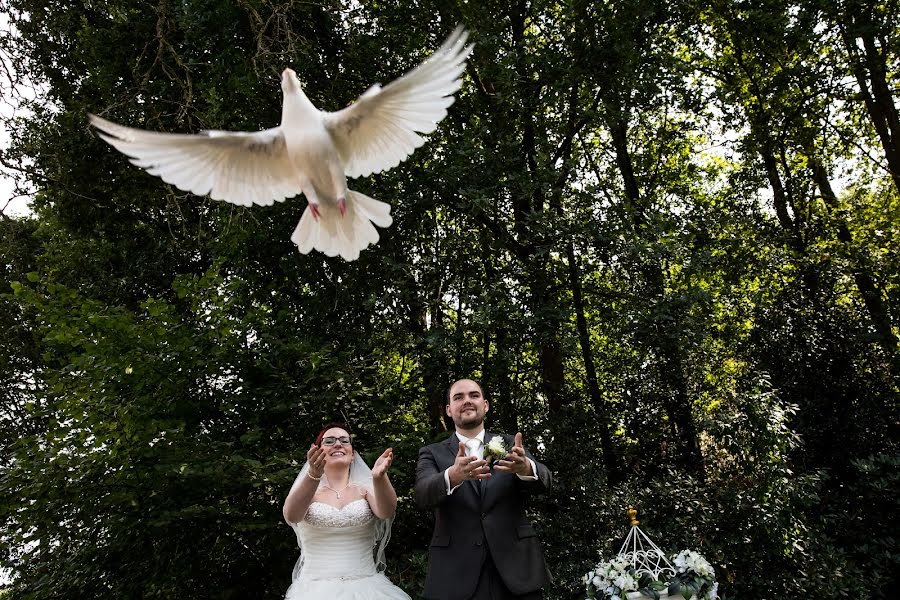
[625,582]
[688,561]
[610,579]
[496,447]
[692,569]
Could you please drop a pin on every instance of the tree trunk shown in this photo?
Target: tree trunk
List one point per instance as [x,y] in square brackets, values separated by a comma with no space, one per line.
[790,225]
[496,370]
[545,299]
[677,402]
[870,72]
[433,357]
[868,289]
[614,468]
[779,199]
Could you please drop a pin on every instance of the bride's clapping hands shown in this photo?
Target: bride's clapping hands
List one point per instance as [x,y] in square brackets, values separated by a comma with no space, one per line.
[382,464]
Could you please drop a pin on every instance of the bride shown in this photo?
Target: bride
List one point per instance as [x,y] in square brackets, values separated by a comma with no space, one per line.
[341,512]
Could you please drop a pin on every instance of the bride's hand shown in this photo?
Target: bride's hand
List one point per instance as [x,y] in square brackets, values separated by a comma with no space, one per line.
[316,459]
[383,463]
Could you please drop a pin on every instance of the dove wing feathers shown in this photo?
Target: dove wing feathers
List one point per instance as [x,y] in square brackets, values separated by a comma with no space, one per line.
[380,129]
[241,168]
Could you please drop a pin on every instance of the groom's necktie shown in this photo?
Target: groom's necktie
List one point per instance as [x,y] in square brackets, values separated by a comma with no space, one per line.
[473,448]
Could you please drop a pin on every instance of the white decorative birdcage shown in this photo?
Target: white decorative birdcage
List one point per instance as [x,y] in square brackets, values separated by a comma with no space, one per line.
[640,571]
[643,554]
[645,557]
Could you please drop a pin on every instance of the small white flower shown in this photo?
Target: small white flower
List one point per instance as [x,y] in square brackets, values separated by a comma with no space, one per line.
[713,592]
[702,567]
[497,447]
[689,560]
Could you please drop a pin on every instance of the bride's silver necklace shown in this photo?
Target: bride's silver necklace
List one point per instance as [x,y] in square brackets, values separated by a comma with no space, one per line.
[336,492]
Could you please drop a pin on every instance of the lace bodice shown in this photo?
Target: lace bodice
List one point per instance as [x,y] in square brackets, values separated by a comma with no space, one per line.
[337,542]
[357,512]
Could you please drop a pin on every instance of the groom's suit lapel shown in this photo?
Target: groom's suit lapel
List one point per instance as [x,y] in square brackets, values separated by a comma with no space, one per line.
[452,446]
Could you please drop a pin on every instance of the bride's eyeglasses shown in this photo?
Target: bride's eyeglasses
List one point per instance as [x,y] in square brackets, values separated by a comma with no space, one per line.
[332,440]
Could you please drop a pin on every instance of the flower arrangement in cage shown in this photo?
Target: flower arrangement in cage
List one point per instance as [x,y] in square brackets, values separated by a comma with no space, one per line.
[615,578]
[641,571]
[694,577]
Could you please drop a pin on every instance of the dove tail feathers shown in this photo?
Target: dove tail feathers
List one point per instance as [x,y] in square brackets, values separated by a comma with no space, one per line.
[377,211]
[345,236]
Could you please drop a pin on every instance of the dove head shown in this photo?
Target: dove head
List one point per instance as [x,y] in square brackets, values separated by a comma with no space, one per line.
[295,105]
[289,81]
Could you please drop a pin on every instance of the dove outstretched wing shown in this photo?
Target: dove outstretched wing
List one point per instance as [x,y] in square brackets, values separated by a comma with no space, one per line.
[238,167]
[382,127]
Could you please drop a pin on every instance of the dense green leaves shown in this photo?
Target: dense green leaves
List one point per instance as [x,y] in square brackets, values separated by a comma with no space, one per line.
[664,236]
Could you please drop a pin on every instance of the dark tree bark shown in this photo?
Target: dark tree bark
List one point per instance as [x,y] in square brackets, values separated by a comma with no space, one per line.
[612,463]
[677,402]
[862,275]
[869,67]
[433,357]
[544,292]
[779,197]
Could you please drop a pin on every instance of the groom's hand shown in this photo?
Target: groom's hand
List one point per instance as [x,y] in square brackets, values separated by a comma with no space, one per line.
[515,461]
[467,468]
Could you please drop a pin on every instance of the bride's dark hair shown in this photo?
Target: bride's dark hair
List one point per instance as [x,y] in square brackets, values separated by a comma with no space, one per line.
[332,425]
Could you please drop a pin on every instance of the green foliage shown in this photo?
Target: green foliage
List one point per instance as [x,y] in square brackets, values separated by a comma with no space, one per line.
[623,228]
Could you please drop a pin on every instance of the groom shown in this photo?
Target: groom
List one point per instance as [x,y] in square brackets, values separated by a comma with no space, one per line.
[483,547]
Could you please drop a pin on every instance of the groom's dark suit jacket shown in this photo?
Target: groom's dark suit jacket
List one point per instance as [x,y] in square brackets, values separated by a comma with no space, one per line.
[475,520]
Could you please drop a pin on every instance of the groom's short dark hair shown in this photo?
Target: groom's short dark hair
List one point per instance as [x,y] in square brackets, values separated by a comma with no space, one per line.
[455,381]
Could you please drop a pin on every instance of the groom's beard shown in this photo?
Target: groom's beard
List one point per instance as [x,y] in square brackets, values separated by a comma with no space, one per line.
[469,422]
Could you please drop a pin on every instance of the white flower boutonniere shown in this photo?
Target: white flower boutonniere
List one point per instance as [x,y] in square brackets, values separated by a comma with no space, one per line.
[496,449]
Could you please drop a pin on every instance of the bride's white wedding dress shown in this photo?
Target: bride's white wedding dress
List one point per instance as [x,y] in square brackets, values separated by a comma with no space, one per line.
[338,563]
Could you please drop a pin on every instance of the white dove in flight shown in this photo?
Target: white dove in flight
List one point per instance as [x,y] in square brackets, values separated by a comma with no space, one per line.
[311,152]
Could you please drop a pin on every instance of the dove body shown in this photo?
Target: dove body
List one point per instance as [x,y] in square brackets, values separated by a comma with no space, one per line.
[330,223]
[309,145]
[311,152]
